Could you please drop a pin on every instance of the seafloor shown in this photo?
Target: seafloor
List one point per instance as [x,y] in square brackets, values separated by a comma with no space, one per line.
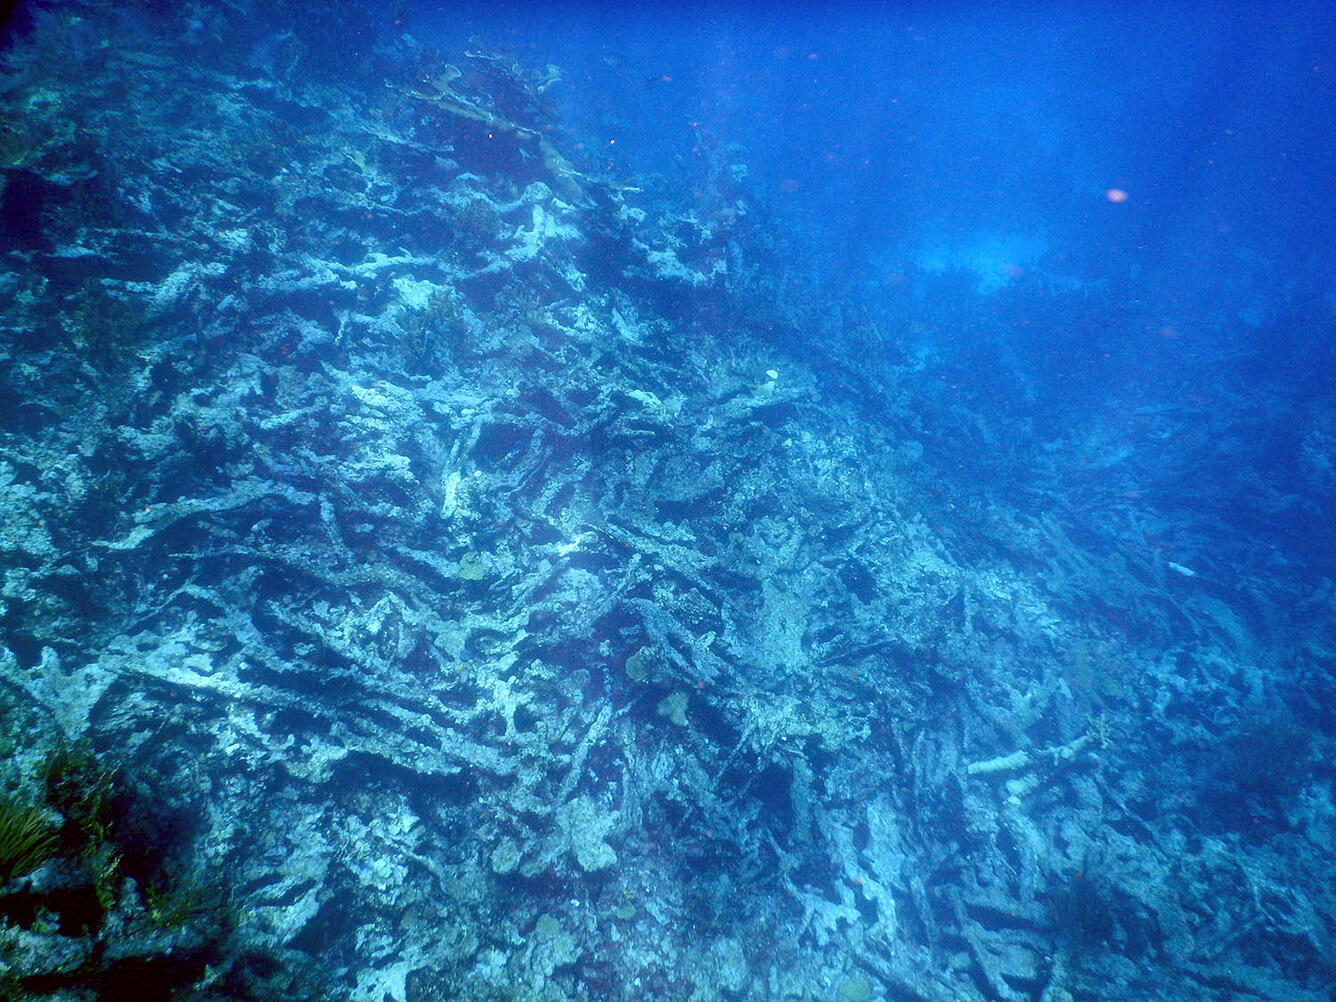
[435,567]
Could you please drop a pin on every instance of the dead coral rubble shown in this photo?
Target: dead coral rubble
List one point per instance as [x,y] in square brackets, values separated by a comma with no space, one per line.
[520,639]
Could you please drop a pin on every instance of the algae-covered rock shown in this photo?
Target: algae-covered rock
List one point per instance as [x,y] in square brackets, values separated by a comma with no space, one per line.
[674,707]
[551,946]
[855,989]
[470,566]
[586,826]
[728,965]
[638,666]
[506,856]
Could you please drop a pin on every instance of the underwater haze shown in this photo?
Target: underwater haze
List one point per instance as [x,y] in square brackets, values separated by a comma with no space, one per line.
[758,503]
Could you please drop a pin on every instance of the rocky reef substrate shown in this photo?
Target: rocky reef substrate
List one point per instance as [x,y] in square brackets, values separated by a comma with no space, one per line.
[423,578]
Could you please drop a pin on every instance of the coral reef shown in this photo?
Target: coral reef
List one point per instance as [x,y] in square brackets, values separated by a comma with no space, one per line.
[480,600]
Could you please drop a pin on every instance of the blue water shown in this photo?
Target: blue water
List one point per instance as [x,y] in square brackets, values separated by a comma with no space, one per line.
[819,501]
[1077,213]
[960,133]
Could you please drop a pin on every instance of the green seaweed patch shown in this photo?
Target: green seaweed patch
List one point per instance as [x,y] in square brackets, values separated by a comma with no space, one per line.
[27,840]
